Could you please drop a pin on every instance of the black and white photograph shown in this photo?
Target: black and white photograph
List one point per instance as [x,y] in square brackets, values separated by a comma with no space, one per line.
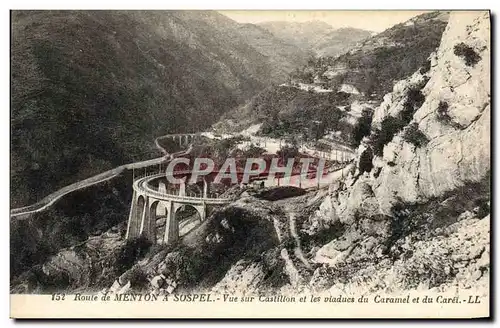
[183,162]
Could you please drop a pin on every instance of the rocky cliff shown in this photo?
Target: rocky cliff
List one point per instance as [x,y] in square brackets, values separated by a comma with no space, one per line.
[454,119]
[421,186]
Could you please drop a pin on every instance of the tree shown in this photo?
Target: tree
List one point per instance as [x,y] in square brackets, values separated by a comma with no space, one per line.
[362,129]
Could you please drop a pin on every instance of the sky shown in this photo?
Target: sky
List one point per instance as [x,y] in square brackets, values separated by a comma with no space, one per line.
[376,21]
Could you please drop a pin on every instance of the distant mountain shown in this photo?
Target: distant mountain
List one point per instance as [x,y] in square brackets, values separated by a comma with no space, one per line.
[376,63]
[281,57]
[304,35]
[340,40]
[91,89]
[285,57]
[317,36]
[340,91]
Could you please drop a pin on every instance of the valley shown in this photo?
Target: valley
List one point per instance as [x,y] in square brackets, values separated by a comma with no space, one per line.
[101,107]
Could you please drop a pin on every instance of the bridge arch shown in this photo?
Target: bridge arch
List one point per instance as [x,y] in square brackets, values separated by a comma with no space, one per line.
[188,217]
[158,215]
[155,202]
[135,217]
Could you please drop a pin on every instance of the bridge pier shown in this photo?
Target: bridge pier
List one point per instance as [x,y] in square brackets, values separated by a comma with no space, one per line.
[148,199]
[183,139]
[205,188]
[131,217]
[203,212]
[142,218]
[182,188]
[134,227]
[171,226]
[148,224]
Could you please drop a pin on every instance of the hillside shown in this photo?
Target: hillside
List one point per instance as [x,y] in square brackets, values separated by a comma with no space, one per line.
[304,35]
[340,40]
[343,91]
[91,89]
[412,214]
[416,209]
[316,36]
[375,64]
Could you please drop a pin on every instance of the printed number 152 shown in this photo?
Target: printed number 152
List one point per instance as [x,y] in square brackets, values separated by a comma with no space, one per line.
[58,297]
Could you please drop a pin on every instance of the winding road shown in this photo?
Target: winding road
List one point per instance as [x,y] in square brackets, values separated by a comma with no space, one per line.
[143,185]
[96,179]
[46,202]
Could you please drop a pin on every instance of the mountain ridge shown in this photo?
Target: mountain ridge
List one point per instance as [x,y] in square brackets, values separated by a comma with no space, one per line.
[92,89]
[317,36]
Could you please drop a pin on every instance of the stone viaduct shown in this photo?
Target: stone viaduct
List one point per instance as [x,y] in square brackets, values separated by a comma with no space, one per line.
[151,200]
[148,201]
[182,139]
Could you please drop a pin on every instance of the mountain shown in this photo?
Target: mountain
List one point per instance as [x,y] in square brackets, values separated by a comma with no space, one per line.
[338,41]
[317,36]
[284,57]
[419,193]
[376,63]
[411,215]
[304,35]
[92,89]
[341,92]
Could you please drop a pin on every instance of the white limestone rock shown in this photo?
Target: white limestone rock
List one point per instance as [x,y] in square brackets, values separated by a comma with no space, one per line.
[457,151]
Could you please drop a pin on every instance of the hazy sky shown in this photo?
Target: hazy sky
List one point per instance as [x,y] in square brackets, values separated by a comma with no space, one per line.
[369,20]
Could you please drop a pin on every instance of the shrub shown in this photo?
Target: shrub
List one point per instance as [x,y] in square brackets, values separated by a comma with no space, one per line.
[419,268]
[322,147]
[253,151]
[363,127]
[444,117]
[288,151]
[365,161]
[426,67]
[467,53]
[413,135]
[442,112]
[138,279]
[389,127]
[414,100]
[132,251]
[392,125]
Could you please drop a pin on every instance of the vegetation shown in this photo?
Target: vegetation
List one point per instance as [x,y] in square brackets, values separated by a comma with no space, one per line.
[363,128]
[391,125]
[381,137]
[442,112]
[288,152]
[90,211]
[414,100]
[86,95]
[426,67]
[288,111]
[253,151]
[372,68]
[413,135]
[443,116]
[386,57]
[468,53]
[365,161]
[134,250]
